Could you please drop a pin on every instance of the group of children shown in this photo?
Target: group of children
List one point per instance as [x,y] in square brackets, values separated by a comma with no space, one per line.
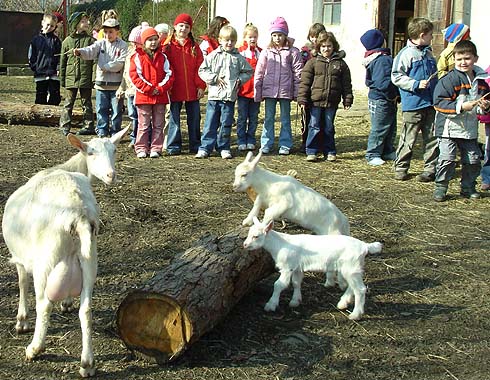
[160,69]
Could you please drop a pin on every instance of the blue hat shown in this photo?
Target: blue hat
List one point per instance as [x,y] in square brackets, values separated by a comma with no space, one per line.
[372,39]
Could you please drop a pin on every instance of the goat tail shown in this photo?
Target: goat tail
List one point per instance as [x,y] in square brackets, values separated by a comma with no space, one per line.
[375,247]
[87,232]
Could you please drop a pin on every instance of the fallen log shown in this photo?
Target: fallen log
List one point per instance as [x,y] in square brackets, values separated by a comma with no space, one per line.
[190,296]
[34,114]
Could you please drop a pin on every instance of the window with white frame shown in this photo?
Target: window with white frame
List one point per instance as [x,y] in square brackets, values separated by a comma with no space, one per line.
[331,12]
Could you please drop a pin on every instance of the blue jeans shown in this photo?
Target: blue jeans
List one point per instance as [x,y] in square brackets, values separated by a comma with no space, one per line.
[381,138]
[321,119]
[285,135]
[485,170]
[106,104]
[174,139]
[219,115]
[133,116]
[248,110]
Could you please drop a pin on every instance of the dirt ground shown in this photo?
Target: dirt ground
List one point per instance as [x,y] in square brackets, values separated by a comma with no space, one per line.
[426,309]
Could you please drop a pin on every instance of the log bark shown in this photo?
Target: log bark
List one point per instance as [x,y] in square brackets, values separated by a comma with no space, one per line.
[190,296]
[33,114]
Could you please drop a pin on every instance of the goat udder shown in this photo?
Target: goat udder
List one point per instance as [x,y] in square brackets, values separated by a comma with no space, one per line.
[64,280]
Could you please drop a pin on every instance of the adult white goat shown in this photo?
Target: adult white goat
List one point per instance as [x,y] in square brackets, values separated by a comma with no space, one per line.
[50,226]
[296,254]
[284,197]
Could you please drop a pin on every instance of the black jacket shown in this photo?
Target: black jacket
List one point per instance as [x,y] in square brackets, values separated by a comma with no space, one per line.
[44,53]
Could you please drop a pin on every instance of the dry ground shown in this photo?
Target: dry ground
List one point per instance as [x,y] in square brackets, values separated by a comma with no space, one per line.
[427,306]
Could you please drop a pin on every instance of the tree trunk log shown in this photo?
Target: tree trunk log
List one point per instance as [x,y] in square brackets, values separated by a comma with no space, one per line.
[33,114]
[190,296]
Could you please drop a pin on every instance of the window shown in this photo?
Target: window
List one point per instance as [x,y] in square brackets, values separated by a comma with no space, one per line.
[331,12]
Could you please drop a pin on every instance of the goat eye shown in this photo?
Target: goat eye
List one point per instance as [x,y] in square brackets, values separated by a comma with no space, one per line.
[244,175]
[90,153]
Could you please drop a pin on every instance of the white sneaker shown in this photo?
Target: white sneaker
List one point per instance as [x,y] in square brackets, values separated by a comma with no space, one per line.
[242,147]
[226,154]
[265,150]
[154,155]
[331,157]
[283,151]
[376,161]
[250,146]
[141,155]
[201,154]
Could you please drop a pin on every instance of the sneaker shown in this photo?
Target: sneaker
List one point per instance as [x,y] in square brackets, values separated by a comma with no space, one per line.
[283,151]
[311,157]
[226,154]
[401,175]
[265,150]
[250,146]
[440,194]
[87,131]
[154,155]
[376,161]
[485,186]
[426,177]
[331,157]
[141,155]
[201,154]
[471,194]
[173,152]
[242,147]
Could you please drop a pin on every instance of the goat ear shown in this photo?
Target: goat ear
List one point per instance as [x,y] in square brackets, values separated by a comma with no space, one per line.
[269,226]
[119,135]
[76,142]
[257,159]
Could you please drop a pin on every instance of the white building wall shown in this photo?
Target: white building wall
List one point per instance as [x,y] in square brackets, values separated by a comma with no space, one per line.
[479,30]
[357,16]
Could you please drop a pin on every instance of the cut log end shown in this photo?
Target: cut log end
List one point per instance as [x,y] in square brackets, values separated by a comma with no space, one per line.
[155,325]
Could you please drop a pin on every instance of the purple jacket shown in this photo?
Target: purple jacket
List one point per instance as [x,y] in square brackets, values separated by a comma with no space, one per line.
[277,74]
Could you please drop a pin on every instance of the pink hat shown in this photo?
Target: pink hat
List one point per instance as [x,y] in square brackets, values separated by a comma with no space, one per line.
[135,35]
[147,33]
[183,17]
[279,25]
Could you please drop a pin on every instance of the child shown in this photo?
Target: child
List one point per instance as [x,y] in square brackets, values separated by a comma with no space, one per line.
[126,88]
[105,15]
[151,75]
[110,54]
[44,57]
[276,80]
[485,170]
[248,108]
[452,34]
[162,30]
[414,72]
[210,39]
[382,98]
[76,74]
[458,100]
[325,80]
[224,70]
[185,57]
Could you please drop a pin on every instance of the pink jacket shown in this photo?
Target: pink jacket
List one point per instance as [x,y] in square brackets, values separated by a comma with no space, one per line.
[277,74]
[485,118]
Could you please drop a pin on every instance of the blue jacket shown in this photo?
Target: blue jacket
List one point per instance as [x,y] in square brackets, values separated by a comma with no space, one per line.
[413,64]
[42,58]
[451,92]
[378,65]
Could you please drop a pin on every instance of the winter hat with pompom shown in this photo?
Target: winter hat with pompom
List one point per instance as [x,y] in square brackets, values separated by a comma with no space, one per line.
[135,34]
[456,32]
[279,25]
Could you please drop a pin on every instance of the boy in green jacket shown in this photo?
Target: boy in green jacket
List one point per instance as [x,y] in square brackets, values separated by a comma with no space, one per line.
[76,74]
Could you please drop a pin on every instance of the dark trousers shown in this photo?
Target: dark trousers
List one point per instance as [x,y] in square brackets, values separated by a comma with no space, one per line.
[88,110]
[48,92]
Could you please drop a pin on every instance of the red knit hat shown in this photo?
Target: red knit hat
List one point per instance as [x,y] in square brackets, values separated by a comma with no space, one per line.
[147,33]
[183,17]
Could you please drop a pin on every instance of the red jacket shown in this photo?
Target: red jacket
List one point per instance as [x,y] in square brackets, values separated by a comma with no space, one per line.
[213,44]
[185,61]
[149,74]
[252,56]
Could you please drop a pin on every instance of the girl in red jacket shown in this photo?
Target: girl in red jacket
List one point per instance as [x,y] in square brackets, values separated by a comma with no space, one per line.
[152,77]
[185,57]
[248,108]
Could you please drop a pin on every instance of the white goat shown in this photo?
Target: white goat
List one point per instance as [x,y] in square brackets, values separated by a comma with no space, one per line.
[282,196]
[49,226]
[296,254]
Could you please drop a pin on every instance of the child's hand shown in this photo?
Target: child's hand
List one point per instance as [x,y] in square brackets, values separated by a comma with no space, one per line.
[423,84]
[200,93]
[76,52]
[221,83]
[469,105]
[484,104]
[155,92]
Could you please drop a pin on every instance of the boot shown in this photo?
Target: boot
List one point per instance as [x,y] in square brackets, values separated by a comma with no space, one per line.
[440,192]
[87,131]
[469,174]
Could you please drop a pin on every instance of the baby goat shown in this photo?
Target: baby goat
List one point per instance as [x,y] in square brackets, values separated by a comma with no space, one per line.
[284,197]
[295,254]
[50,226]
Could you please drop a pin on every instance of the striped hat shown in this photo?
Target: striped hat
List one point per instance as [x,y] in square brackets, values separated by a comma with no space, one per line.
[456,32]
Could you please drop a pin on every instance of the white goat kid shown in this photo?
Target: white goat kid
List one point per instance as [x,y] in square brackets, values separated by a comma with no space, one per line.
[284,197]
[296,254]
[49,226]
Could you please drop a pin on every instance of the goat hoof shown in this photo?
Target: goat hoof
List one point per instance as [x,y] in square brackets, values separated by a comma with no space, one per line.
[355,316]
[22,327]
[87,372]
[329,284]
[32,352]
[294,303]
[67,307]
[342,305]
[270,307]
[247,222]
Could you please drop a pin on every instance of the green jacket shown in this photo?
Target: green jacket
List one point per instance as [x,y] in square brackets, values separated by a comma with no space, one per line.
[74,71]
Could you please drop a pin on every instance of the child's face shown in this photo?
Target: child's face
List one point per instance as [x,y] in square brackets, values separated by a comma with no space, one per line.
[424,39]
[278,39]
[110,34]
[227,43]
[83,25]
[464,62]
[182,30]
[251,38]
[326,49]
[152,43]
[313,39]
[48,25]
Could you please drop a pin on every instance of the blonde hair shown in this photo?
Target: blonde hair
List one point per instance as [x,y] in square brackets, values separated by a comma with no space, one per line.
[228,31]
[51,17]
[249,27]
[418,26]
